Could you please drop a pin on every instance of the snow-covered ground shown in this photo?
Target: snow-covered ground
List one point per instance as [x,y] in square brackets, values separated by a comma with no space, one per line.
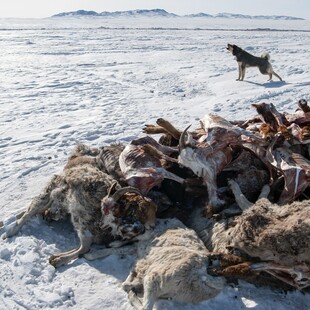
[96,81]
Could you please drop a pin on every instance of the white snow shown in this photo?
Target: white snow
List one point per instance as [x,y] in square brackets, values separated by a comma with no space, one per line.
[97,81]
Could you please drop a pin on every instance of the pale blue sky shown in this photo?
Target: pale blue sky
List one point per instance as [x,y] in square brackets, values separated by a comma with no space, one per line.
[46,8]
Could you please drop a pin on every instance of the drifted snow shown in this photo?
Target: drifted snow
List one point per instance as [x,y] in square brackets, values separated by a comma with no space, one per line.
[99,81]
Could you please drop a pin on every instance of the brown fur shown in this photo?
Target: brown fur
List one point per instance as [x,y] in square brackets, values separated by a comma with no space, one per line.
[79,191]
[277,233]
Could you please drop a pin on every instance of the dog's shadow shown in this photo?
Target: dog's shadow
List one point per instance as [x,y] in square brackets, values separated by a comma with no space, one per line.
[270,84]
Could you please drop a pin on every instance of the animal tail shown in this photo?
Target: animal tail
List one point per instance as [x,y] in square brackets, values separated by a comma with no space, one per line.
[265,55]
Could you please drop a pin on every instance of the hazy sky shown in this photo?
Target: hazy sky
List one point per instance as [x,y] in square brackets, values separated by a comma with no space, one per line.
[46,8]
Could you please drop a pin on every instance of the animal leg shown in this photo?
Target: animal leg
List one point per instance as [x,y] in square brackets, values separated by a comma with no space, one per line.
[242,202]
[265,192]
[150,292]
[18,216]
[154,129]
[134,300]
[157,153]
[86,239]
[209,178]
[214,201]
[130,282]
[38,205]
[239,72]
[175,133]
[277,76]
[297,276]
[133,285]
[125,250]
[242,72]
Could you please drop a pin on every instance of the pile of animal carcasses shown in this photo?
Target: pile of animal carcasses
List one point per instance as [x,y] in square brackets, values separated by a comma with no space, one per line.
[272,149]
[236,173]
[242,186]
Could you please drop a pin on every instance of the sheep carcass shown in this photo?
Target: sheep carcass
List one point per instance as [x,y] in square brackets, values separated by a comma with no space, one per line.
[132,213]
[274,238]
[172,263]
[79,192]
[208,156]
[52,203]
[141,165]
[127,213]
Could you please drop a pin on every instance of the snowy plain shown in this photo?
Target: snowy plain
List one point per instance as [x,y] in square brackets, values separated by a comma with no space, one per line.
[96,81]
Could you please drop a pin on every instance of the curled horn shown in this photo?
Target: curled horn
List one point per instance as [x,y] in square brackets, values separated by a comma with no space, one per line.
[111,188]
[129,189]
[183,138]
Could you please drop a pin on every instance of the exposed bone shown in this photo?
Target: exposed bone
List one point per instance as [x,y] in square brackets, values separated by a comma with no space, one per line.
[163,126]
[241,200]
[154,129]
[204,165]
[229,265]
[108,161]
[157,153]
[78,191]
[267,233]
[297,276]
[175,133]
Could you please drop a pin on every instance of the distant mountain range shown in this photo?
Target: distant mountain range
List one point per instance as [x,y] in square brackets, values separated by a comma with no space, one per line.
[163,13]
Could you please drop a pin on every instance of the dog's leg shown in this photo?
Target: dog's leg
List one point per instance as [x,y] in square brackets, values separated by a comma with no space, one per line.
[239,70]
[242,72]
[277,76]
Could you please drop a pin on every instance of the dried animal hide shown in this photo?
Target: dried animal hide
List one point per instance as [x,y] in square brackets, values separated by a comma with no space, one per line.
[142,166]
[294,167]
[217,129]
[204,163]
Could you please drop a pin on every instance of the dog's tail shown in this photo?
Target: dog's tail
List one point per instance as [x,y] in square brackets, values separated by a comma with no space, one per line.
[265,55]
